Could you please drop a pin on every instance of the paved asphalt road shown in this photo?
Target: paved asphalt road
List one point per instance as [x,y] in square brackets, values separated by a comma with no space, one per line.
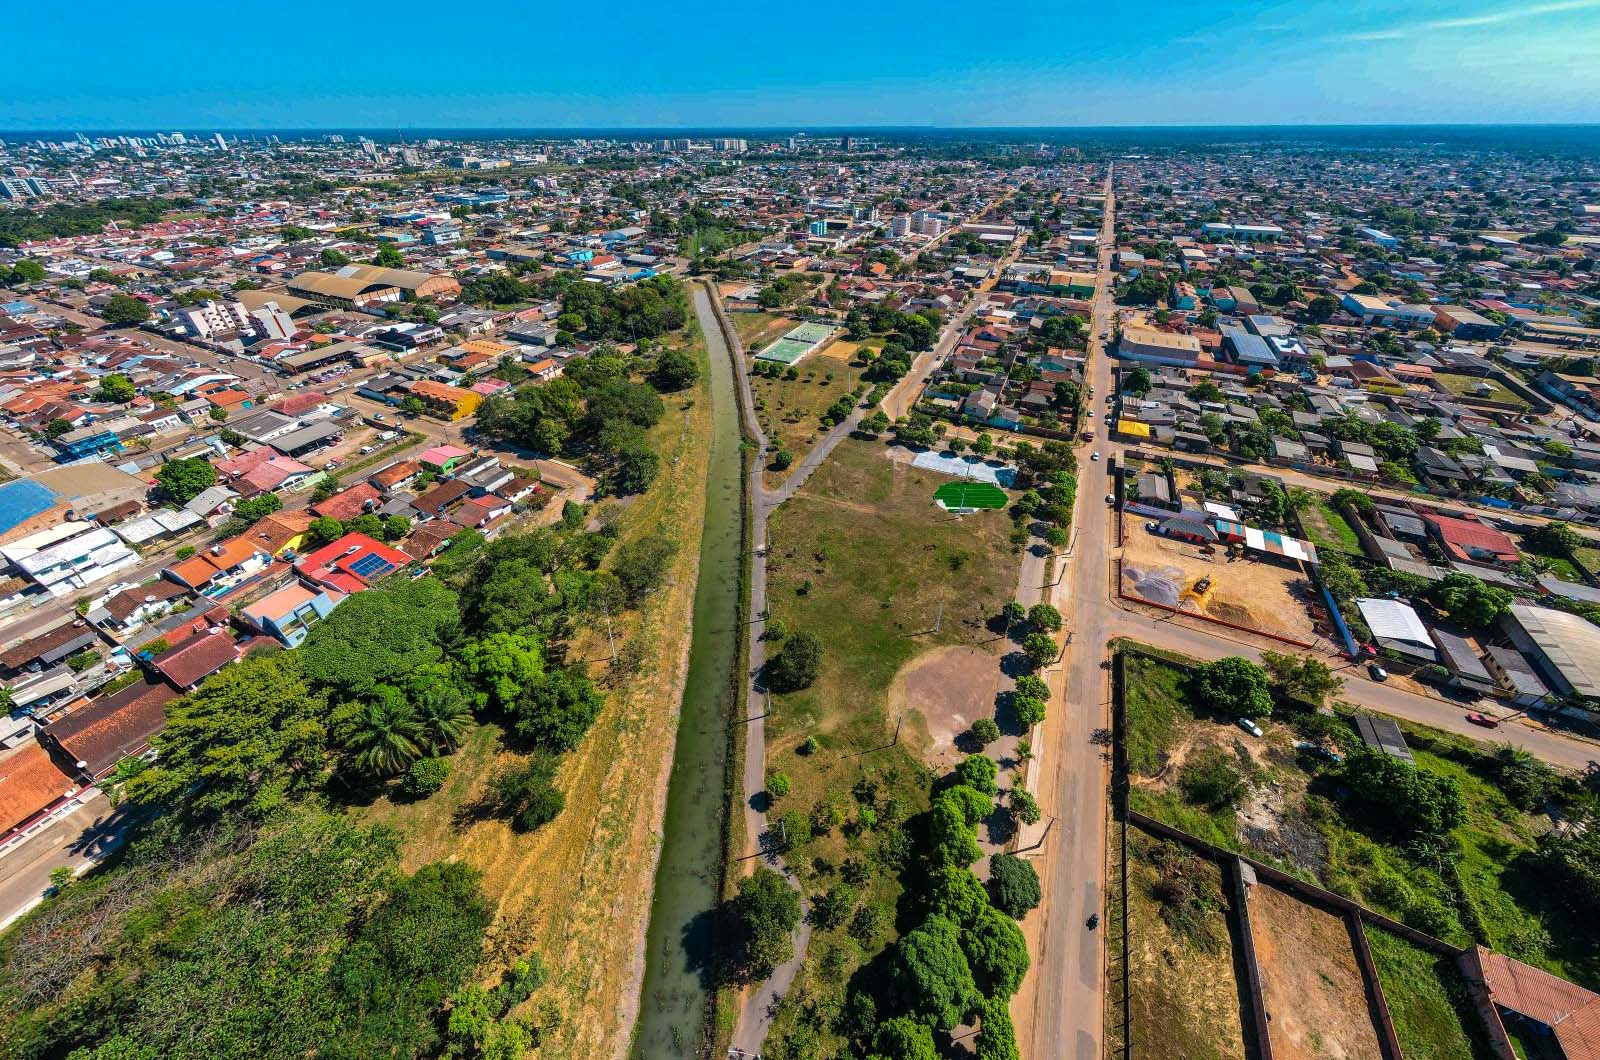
[76,839]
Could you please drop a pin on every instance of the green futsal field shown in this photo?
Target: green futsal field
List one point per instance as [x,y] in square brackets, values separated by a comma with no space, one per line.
[970,495]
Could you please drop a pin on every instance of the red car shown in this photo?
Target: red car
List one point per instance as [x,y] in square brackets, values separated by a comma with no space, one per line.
[1484,720]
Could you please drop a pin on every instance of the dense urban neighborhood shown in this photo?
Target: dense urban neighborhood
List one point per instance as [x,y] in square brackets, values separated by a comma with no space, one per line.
[811,595]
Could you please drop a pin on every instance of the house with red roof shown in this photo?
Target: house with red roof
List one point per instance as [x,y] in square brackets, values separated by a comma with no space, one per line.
[349,503]
[1469,540]
[351,564]
[192,662]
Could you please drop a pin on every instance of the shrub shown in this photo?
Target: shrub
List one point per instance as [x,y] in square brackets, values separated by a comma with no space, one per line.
[525,793]
[1211,779]
[426,776]
[778,785]
[795,667]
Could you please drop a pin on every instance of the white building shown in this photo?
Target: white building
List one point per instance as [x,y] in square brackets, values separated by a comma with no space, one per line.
[213,318]
[67,558]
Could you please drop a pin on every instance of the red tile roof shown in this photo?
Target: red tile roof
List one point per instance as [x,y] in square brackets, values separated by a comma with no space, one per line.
[29,782]
[1464,537]
[104,732]
[205,655]
[347,504]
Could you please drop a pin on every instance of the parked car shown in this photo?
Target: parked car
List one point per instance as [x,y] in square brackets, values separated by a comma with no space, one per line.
[1484,720]
[1249,726]
[1378,673]
[365,449]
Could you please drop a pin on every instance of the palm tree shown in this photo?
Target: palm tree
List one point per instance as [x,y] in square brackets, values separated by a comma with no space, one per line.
[385,736]
[444,718]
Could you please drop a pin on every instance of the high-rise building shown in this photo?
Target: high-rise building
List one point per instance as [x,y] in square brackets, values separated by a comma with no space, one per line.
[900,227]
[734,146]
[221,143]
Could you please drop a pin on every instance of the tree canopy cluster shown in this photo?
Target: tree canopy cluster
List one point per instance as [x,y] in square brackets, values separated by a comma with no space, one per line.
[595,411]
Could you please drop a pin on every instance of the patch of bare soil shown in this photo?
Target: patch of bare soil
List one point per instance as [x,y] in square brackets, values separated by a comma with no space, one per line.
[949,688]
[1316,1003]
[1270,821]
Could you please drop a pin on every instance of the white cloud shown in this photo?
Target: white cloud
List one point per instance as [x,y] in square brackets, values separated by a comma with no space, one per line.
[1488,18]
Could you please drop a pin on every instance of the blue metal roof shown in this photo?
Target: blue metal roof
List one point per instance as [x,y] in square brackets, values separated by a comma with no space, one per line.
[22,500]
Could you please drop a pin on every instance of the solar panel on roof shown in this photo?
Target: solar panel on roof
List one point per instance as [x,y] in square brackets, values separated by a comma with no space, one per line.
[370,565]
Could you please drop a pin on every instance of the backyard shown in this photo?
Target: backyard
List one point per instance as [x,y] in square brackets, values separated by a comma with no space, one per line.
[1327,529]
[1477,386]
[1427,998]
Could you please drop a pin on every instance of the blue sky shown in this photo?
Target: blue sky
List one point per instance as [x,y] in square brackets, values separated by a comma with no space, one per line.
[292,64]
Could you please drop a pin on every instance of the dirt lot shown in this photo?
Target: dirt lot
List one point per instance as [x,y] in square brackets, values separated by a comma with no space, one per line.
[1184,997]
[947,690]
[1309,980]
[755,330]
[1244,591]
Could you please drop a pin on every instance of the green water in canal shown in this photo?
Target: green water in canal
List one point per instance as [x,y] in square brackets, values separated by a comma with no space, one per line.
[676,989]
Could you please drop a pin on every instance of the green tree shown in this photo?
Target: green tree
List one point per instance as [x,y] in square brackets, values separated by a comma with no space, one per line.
[123,310]
[765,913]
[389,258]
[444,717]
[333,259]
[1045,617]
[1414,799]
[323,530]
[503,665]
[382,734]
[985,731]
[1040,648]
[395,527]
[929,975]
[425,777]
[1233,687]
[955,892]
[904,1038]
[674,370]
[978,772]
[394,634]
[997,1036]
[412,406]
[996,952]
[251,735]
[1468,600]
[27,271]
[641,565]
[56,428]
[116,388]
[526,793]
[1137,382]
[182,480]
[1302,677]
[796,665]
[1321,309]
[1013,885]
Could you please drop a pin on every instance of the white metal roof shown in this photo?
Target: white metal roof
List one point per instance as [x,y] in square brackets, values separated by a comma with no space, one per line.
[1393,620]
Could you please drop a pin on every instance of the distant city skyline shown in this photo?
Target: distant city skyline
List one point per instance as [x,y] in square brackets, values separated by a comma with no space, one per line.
[940,64]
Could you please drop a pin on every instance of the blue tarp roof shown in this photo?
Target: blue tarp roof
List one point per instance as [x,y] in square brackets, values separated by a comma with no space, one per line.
[22,500]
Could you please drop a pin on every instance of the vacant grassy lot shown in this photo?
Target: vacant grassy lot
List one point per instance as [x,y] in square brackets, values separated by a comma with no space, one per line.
[1474,386]
[578,890]
[863,559]
[790,410]
[1184,998]
[755,330]
[1292,812]
[1427,999]
[1327,529]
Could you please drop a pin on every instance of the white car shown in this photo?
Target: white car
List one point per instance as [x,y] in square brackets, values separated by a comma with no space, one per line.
[1249,726]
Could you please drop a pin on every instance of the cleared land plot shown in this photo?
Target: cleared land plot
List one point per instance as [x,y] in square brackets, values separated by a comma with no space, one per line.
[1427,998]
[1183,993]
[578,890]
[949,688]
[1327,529]
[1476,386]
[1292,809]
[1246,592]
[1310,982]
[757,329]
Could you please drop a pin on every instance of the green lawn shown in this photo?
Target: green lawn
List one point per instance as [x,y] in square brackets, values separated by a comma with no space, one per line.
[790,410]
[1427,999]
[1588,559]
[1327,529]
[1467,386]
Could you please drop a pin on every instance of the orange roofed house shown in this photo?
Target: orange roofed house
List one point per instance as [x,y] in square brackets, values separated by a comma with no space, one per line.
[447,402]
[221,567]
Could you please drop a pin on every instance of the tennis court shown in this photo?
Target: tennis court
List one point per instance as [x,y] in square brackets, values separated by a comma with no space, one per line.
[796,343]
[969,496]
